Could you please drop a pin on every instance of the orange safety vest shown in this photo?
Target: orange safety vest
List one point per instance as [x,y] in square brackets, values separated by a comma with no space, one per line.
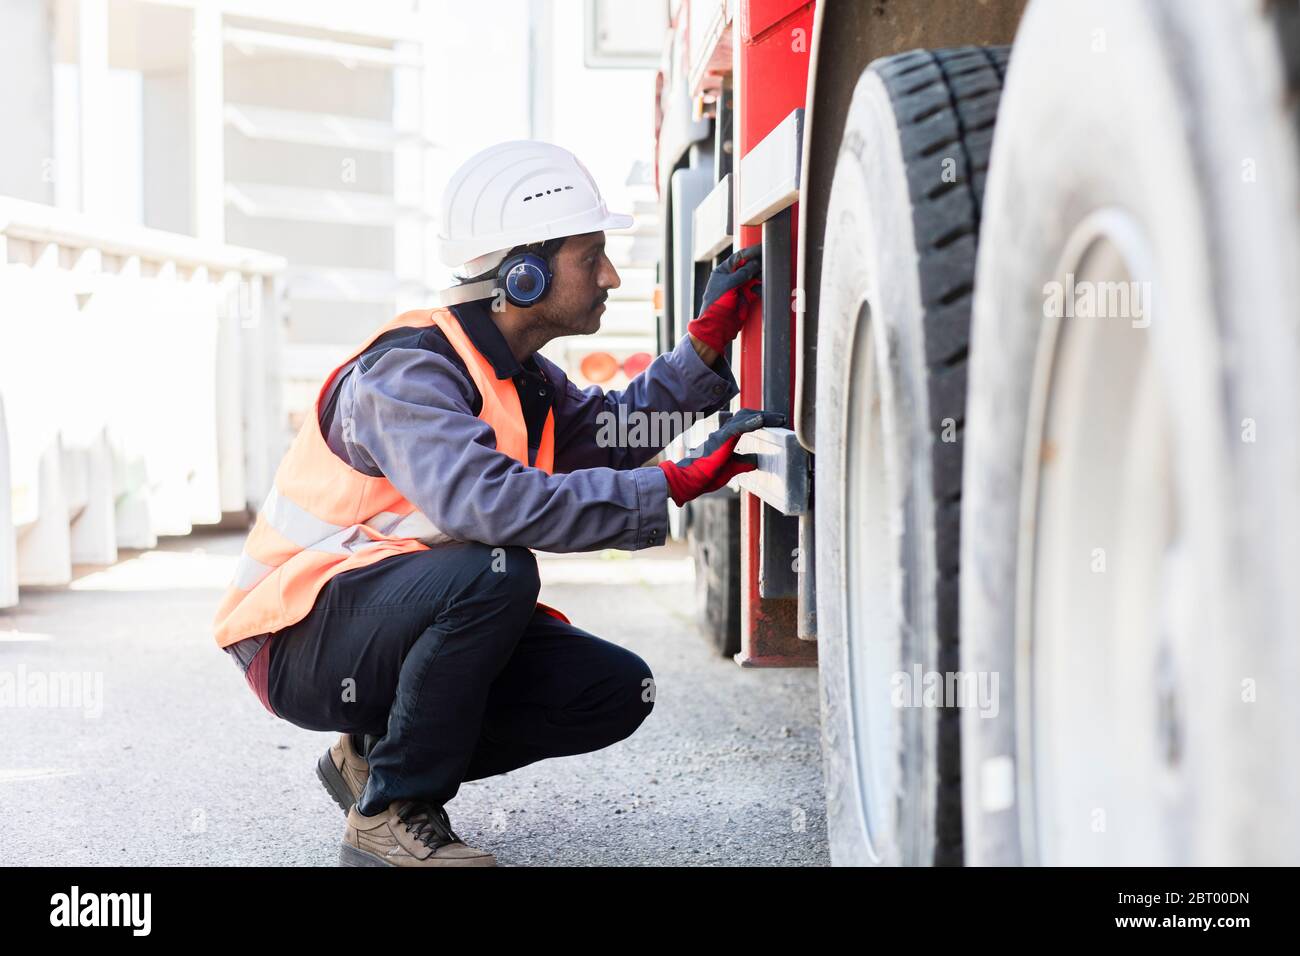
[323,517]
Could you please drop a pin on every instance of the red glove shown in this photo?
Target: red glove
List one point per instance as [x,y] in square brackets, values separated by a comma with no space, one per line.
[733,287]
[713,464]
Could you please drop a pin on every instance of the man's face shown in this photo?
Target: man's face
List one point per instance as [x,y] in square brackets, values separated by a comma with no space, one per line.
[582,277]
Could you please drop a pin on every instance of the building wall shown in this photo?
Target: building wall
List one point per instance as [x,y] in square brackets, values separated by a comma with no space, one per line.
[27,106]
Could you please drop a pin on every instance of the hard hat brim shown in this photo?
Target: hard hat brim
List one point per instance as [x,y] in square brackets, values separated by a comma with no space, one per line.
[616,220]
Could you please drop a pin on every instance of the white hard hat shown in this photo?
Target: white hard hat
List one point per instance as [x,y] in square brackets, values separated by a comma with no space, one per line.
[515,193]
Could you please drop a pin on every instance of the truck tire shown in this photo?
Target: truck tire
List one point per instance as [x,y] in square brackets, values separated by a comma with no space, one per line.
[1131,508]
[897,275]
[713,537]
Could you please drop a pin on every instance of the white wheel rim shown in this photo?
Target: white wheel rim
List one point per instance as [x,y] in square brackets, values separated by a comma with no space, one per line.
[872,600]
[1105,660]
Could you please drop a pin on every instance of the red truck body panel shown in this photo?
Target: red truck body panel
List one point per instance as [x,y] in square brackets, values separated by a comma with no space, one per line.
[772,81]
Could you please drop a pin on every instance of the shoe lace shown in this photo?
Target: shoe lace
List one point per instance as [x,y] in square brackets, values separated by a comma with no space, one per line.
[429,823]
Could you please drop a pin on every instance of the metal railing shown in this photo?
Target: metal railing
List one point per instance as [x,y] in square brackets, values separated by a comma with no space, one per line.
[140,389]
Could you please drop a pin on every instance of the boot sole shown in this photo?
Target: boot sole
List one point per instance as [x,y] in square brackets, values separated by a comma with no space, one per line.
[351,856]
[334,783]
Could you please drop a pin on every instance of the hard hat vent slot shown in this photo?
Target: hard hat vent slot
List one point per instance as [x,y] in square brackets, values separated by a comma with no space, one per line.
[546,193]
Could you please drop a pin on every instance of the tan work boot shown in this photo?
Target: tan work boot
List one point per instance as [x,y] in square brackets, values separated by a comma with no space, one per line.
[343,772]
[408,833]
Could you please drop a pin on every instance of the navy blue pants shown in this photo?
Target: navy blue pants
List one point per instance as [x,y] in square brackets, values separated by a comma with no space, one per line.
[444,657]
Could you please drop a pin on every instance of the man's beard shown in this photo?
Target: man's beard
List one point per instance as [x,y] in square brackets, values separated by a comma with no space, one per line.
[555,323]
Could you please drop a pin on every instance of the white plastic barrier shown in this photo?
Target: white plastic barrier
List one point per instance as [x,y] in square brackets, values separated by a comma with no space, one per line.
[139,389]
[8,553]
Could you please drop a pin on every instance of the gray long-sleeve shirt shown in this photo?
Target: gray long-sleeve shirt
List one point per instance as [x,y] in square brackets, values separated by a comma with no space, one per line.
[408,409]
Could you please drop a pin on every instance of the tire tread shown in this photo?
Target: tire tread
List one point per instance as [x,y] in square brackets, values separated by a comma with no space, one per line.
[947,103]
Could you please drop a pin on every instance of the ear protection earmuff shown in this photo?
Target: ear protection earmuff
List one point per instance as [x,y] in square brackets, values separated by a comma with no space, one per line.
[524,278]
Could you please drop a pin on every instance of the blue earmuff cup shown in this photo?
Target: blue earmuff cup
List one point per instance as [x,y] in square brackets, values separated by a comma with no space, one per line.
[525,283]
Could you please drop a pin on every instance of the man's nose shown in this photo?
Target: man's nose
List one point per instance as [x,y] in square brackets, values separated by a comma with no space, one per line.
[609,276]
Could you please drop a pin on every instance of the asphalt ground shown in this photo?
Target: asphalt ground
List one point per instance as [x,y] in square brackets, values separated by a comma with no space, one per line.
[159,754]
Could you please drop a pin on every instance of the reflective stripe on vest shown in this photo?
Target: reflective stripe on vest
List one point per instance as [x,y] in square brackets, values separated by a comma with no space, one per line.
[323,517]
